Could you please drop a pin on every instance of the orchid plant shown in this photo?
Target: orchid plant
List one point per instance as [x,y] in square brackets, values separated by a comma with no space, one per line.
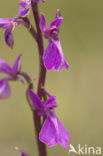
[49,131]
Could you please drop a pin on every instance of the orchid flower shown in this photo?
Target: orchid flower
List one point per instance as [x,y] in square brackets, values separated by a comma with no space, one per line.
[11,76]
[52,131]
[53,55]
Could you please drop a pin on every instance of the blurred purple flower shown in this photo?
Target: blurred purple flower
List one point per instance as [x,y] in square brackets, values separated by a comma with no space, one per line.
[24,7]
[11,76]
[53,55]
[23,153]
[9,25]
[52,131]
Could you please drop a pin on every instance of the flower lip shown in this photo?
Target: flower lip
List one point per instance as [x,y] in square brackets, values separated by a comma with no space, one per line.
[54,57]
[53,131]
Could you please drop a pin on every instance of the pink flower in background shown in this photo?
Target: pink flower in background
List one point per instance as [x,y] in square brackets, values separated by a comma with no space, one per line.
[23,153]
[11,76]
[8,25]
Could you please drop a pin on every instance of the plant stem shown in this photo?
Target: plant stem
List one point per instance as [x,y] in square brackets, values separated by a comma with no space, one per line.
[42,76]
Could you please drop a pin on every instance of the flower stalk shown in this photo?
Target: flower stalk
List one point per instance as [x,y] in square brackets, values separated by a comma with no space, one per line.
[42,76]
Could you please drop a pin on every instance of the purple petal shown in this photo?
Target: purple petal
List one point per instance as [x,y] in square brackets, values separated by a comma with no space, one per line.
[50,103]
[24,8]
[5,67]
[8,37]
[4,89]
[23,12]
[42,23]
[54,57]
[23,4]
[57,22]
[17,64]
[36,101]
[64,62]
[64,137]
[5,23]
[48,133]
[53,131]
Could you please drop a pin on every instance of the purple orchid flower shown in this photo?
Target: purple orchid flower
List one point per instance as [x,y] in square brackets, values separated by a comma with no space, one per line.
[24,7]
[11,76]
[52,131]
[9,25]
[53,55]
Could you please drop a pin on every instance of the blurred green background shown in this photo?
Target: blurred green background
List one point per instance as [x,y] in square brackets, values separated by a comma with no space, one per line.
[79,90]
